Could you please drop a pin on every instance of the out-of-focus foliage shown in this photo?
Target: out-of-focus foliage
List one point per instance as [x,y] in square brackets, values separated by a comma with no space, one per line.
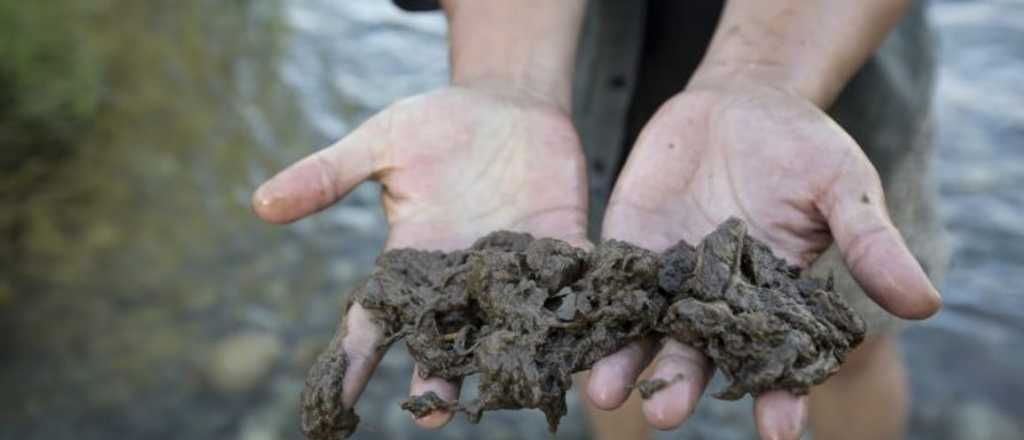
[132,134]
[49,94]
[49,79]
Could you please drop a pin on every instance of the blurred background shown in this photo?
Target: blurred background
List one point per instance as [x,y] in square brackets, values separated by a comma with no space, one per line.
[140,299]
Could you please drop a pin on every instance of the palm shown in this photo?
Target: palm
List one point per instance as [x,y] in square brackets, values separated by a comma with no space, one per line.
[454,165]
[779,163]
[460,163]
[767,159]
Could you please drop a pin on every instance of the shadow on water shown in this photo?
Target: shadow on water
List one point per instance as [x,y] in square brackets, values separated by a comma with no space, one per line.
[139,298]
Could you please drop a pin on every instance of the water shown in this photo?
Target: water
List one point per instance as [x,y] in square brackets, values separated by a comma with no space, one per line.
[139,265]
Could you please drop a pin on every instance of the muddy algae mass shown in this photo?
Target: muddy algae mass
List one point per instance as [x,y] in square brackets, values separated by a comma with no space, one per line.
[525,314]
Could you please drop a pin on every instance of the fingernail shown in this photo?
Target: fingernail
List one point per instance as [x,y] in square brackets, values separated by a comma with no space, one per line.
[793,428]
[262,199]
[669,407]
[780,415]
[599,395]
[801,420]
[271,205]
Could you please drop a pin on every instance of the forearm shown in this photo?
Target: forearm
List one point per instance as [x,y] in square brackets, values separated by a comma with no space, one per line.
[810,47]
[525,45]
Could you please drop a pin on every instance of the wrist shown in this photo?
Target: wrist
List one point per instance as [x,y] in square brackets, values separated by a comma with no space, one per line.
[737,75]
[810,48]
[769,62]
[511,46]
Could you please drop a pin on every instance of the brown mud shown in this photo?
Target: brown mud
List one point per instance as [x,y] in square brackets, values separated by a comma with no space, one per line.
[324,415]
[525,314]
[648,387]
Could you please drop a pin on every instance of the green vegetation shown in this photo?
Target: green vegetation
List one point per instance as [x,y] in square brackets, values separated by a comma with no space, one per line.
[127,155]
[49,80]
[49,93]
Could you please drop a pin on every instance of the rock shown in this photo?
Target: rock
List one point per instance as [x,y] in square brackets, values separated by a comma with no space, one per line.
[240,362]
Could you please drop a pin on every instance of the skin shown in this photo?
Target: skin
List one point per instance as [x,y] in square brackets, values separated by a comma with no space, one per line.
[457,163]
[714,161]
[746,138]
[873,373]
[454,165]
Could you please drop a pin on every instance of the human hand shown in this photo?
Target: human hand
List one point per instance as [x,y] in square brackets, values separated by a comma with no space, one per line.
[736,147]
[454,165]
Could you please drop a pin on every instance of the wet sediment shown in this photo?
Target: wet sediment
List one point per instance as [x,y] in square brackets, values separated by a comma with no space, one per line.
[525,314]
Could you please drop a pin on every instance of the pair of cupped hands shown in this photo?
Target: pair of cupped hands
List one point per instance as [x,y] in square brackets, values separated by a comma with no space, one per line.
[457,163]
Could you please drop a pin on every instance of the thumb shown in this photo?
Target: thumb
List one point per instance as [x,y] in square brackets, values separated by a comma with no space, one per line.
[874,251]
[322,178]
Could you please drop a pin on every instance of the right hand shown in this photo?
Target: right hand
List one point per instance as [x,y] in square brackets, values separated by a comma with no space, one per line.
[454,165]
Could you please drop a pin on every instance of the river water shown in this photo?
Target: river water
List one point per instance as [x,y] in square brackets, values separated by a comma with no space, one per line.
[146,302]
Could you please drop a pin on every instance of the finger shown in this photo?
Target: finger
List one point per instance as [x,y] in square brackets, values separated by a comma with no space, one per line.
[780,415]
[687,372]
[360,344]
[874,250]
[444,389]
[322,178]
[612,377]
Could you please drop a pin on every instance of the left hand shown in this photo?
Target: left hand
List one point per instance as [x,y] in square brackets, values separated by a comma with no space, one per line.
[768,156]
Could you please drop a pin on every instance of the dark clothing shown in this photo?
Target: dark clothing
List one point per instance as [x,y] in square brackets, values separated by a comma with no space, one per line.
[417,5]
